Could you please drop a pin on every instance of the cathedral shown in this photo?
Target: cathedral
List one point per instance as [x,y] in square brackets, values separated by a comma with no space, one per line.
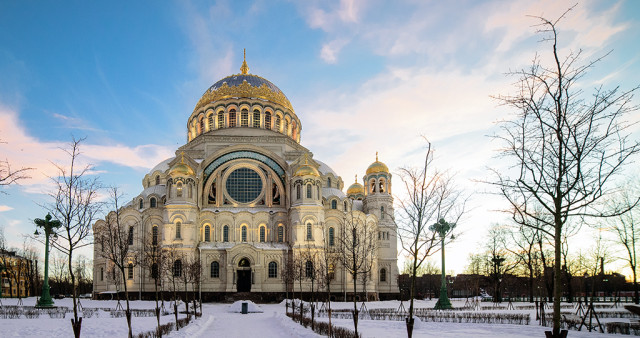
[247,202]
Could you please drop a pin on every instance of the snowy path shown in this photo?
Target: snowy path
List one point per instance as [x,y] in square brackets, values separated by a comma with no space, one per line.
[217,321]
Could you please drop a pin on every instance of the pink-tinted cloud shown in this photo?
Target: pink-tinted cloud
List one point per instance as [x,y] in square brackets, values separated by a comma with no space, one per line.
[24,150]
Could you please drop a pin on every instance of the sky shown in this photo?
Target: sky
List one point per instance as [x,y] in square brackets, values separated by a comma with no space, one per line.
[362,76]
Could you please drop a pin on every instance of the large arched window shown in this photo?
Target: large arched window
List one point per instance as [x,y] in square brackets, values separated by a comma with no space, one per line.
[130,271]
[153,202]
[179,189]
[130,235]
[154,235]
[256,119]
[220,120]
[331,237]
[225,233]
[383,275]
[381,212]
[215,270]
[157,180]
[244,118]
[262,234]
[232,118]
[207,233]
[210,121]
[278,123]
[286,128]
[177,268]
[273,270]
[308,190]
[267,120]
[308,270]
[334,204]
[309,232]
[328,182]
[298,194]
[141,205]
[178,230]
[243,233]
[201,125]
[280,234]
[345,205]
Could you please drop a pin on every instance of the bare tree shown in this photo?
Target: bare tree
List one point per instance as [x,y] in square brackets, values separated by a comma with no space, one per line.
[75,204]
[355,247]
[502,260]
[10,176]
[32,274]
[327,262]
[151,259]
[525,240]
[431,196]
[172,264]
[288,272]
[566,149]
[626,228]
[117,242]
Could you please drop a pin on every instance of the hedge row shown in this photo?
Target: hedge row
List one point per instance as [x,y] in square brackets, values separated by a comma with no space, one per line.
[444,316]
[14,312]
[322,327]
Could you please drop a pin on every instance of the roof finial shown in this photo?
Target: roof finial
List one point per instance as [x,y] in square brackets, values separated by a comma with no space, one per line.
[376,156]
[244,69]
[356,178]
[182,153]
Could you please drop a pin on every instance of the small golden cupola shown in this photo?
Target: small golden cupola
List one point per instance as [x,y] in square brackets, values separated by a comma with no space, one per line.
[377,167]
[306,169]
[356,190]
[182,169]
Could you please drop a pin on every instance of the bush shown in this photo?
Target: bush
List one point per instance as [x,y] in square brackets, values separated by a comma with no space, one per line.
[322,327]
[164,329]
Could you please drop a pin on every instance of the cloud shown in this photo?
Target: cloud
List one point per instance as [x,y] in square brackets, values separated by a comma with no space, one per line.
[24,150]
[330,50]
[591,29]
[69,122]
[4,208]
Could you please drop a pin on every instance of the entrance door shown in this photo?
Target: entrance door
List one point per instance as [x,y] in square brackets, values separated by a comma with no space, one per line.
[244,281]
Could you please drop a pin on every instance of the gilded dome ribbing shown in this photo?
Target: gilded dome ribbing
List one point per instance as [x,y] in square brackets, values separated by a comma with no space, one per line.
[377,167]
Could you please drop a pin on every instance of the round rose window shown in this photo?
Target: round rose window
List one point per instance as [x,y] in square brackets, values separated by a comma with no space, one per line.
[244,185]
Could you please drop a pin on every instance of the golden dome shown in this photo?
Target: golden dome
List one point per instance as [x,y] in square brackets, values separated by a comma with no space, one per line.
[355,189]
[182,169]
[377,167]
[244,85]
[306,169]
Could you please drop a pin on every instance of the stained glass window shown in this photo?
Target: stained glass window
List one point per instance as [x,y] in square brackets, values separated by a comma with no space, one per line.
[244,185]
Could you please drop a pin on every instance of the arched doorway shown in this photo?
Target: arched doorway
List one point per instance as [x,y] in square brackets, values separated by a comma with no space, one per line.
[244,275]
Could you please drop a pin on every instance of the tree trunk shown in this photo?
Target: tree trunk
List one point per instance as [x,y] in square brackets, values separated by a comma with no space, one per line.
[636,298]
[557,278]
[530,284]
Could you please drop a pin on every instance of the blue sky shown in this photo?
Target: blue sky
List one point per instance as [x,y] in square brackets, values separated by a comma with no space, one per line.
[363,76]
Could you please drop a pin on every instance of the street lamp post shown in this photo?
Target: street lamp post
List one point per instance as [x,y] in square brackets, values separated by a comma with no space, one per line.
[442,228]
[49,226]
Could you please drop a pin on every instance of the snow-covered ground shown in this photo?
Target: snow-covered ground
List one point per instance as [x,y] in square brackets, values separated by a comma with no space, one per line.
[222,320]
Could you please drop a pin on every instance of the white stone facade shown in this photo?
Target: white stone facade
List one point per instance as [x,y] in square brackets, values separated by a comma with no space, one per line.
[246,198]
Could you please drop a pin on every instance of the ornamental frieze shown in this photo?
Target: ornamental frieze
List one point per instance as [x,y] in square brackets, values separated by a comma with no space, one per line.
[243,90]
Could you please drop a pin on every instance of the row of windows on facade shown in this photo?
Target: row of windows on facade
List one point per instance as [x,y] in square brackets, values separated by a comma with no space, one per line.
[217,121]
[153,203]
[214,270]
[225,234]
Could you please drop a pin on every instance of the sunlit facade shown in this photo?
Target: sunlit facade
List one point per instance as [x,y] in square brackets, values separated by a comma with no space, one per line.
[248,199]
